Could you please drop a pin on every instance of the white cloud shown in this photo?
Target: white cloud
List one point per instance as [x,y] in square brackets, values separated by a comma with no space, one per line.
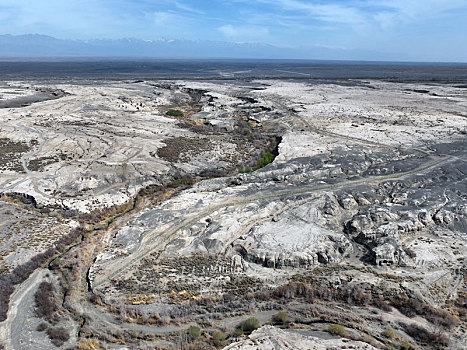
[184,7]
[163,18]
[328,12]
[246,33]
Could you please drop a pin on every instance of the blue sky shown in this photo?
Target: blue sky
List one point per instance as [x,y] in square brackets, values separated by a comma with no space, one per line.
[416,28]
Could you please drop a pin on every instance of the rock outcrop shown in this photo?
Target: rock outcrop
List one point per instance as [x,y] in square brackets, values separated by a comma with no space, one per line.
[272,338]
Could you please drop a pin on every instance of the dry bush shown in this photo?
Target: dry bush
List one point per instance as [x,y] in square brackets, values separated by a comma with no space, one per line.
[44,300]
[414,306]
[22,272]
[42,327]
[390,333]
[249,325]
[425,336]
[88,344]
[95,299]
[381,304]
[218,338]
[337,329]
[58,336]
[281,318]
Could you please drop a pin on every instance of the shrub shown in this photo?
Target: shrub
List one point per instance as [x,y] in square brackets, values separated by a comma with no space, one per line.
[44,300]
[337,329]
[249,325]
[281,318]
[58,336]
[181,181]
[42,327]
[96,299]
[174,113]
[238,332]
[405,345]
[390,333]
[88,344]
[218,338]
[246,169]
[265,159]
[193,332]
[414,306]
[382,305]
[425,336]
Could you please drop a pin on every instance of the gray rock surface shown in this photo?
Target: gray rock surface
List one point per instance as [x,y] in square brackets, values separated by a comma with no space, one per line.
[272,338]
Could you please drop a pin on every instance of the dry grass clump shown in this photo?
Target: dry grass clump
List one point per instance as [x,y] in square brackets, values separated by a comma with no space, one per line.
[218,338]
[44,301]
[249,325]
[58,335]
[88,344]
[414,306]
[356,295]
[424,336]
[337,329]
[281,318]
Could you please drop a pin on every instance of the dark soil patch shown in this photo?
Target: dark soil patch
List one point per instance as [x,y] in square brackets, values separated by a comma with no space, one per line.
[10,154]
[182,149]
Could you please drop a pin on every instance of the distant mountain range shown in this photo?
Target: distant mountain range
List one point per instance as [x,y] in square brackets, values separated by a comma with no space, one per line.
[42,46]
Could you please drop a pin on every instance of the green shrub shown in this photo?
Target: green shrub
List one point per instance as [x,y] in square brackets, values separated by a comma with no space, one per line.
[184,180]
[246,169]
[406,346]
[281,318]
[249,325]
[174,113]
[265,159]
[390,333]
[238,332]
[193,332]
[337,329]
[218,338]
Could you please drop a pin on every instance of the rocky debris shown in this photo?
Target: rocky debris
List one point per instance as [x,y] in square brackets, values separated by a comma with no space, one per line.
[273,338]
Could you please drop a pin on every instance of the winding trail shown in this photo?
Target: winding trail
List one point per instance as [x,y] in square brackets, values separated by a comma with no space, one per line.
[16,314]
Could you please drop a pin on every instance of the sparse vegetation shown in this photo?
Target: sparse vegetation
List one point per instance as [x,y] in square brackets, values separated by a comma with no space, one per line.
[337,329]
[174,113]
[265,159]
[281,318]
[405,345]
[44,300]
[218,338]
[88,344]
[390,333]
[249,325]
[414,306]
[425,336]
[193,332]
[22,272]
[246,169]
[42,327]
[181,181]
[58,335]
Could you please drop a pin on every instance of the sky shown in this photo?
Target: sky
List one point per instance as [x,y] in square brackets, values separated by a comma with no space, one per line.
[413,28]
